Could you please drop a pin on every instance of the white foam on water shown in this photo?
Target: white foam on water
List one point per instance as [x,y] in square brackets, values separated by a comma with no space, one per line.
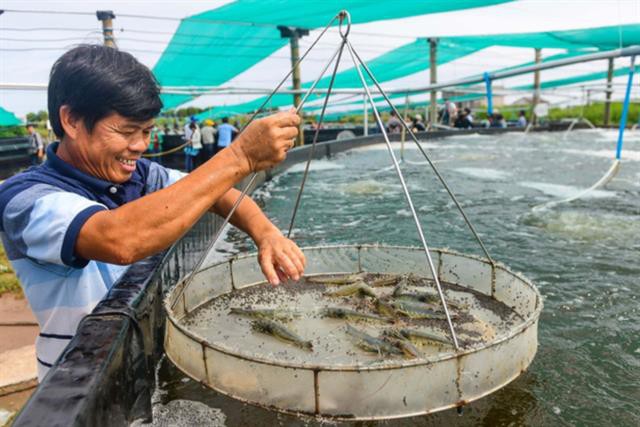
[408,146]
[182,412]
[589,226]
[563,191]
[365,186]
[632,155]
[484,173]
[316,165]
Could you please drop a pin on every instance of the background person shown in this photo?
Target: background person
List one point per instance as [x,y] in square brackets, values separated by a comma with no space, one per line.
[226,133]
[36,145]
[194,147]
[522,119]
[208,139]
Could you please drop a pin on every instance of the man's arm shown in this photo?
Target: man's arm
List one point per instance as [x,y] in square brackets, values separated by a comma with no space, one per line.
[152,223]
[277,254]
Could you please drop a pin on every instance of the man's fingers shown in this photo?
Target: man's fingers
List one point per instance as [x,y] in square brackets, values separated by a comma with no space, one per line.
[287,119]
[295,258]
[287,265]
[269,271]
[289,133]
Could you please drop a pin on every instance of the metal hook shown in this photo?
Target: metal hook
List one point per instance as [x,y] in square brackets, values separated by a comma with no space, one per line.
[342,16]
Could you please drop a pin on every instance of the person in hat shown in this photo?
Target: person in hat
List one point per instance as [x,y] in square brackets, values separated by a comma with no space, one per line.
[208,139]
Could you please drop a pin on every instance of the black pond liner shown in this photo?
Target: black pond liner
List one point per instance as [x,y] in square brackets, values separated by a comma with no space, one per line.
[105,376]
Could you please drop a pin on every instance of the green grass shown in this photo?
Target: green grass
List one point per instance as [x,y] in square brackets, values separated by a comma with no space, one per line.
[8,281]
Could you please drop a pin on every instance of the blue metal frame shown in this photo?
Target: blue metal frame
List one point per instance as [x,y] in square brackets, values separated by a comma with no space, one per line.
[487,83]
[625,109]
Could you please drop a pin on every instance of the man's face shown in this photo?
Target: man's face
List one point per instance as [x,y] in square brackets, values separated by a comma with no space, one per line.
[111,150]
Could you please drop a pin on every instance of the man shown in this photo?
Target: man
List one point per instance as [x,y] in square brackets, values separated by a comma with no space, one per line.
[36,146]
[72,226]
[225,133]
[209,138]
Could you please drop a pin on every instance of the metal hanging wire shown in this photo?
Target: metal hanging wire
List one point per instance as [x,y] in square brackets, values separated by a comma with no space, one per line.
[357,63]
[424,154]
[317,132]
[340,17]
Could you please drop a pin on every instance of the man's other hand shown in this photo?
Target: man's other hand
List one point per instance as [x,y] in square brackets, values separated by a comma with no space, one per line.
[280,258]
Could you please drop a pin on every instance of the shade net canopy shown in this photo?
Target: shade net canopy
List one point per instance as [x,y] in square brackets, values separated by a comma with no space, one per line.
[7,118]
[413,57]
[210,48]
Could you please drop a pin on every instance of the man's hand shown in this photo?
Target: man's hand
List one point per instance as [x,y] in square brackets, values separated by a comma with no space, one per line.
[264,143]
[280,258]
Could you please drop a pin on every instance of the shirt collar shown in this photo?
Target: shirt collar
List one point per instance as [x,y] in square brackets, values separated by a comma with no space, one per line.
[64,168]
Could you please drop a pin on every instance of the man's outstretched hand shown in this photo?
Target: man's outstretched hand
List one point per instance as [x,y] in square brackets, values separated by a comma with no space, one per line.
[280,258]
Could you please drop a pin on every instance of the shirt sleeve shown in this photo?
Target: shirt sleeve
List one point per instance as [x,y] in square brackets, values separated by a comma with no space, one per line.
[43,223]
[160,177]
[39,142]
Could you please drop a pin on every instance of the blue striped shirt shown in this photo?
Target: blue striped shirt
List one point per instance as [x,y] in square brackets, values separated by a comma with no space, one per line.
[42,211]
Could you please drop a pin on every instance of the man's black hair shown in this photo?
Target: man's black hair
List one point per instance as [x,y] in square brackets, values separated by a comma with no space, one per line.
[225,120]
[95,81]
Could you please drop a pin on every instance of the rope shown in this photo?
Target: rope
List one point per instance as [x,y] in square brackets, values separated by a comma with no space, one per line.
[173,150]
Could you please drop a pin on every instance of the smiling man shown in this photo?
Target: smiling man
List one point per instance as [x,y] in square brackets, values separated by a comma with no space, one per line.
[72,226]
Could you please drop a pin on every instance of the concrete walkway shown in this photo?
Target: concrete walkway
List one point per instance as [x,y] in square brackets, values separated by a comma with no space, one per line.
[18,369]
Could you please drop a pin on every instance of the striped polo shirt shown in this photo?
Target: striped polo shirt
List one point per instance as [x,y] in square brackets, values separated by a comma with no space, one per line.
[42,211]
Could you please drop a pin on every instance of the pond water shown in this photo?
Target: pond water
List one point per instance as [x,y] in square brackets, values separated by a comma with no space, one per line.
[583,256]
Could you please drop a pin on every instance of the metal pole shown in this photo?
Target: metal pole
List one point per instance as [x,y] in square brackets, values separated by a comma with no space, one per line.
[107,16]
[487,83]
[625,109]
[609,92]
[365,109]
[498,75]
[536,86]
[432,113]
[294,34]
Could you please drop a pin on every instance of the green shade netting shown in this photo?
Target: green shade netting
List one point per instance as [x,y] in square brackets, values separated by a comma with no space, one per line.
[207,52]
[602,38]
[7,118]
[446,52]
[403,61]
[413,57]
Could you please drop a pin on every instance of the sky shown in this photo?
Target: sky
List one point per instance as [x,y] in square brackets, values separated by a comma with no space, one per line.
[31,42]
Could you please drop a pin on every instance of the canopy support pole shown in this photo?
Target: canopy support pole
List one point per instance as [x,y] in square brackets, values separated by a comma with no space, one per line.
[608,93]
[535,100]
[432,113]
[107,17]
[294,34]
[365,115]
